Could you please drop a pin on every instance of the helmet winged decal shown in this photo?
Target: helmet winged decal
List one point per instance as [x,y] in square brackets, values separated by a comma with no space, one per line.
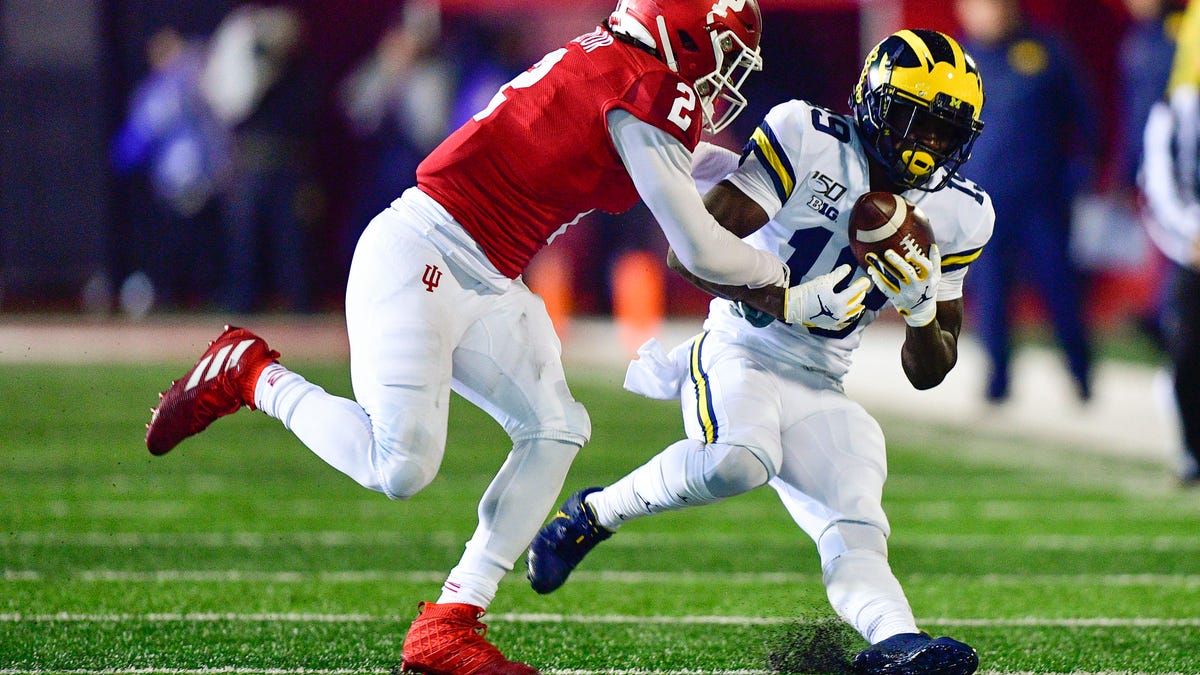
[723,7]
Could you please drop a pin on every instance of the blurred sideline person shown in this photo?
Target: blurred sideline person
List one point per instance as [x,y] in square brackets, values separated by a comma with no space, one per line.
[763,401]
[1034,160]
[1171,185]
[1144,59]
[176,154]
[398,102]
[260,83]
[435,299]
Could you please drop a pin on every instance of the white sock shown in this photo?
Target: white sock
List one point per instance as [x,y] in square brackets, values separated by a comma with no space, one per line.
[860,584]
[335,428]
[671,480]
[864,592]
[512,510]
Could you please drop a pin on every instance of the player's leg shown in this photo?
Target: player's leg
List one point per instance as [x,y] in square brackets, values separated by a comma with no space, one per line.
[1181,330]
[832,484]
[507,363]
[731,412]
[1061,285]
[730,405]
[392,437]
[990,283]
[390,440]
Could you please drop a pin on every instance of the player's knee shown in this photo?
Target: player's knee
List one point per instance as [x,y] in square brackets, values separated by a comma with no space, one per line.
[405,478]
[406,463]
[735,469]
[571,424]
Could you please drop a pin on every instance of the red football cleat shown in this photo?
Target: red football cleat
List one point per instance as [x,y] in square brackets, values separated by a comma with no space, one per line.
[447,639]
[222,382]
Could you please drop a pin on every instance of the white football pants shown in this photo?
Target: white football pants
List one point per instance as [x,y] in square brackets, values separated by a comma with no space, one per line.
[419,325]
[822,453]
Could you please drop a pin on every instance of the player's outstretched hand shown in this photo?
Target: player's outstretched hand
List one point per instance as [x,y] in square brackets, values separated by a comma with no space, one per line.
[816,303]
[910,283]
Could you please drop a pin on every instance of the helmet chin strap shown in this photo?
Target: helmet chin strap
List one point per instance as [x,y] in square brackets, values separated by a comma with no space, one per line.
[665,41]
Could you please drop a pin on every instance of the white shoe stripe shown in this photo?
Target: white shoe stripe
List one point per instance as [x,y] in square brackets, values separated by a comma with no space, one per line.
[218,361]
[237,353]
[195,378]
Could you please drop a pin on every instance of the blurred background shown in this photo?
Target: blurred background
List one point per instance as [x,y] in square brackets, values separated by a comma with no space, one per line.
[166,156]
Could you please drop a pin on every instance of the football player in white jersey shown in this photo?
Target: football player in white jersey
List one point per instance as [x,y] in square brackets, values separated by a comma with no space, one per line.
[763,401]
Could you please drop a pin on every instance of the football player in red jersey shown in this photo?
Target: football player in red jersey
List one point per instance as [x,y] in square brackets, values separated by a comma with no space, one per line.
[435,299]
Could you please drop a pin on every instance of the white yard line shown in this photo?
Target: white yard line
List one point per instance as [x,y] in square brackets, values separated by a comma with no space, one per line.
[187,671]
[546,671]
[230,670]
[258,540]
[613,577]
[539,618]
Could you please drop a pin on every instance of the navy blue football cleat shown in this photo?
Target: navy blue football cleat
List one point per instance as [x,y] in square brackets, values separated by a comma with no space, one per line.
[562,543]
[917,654]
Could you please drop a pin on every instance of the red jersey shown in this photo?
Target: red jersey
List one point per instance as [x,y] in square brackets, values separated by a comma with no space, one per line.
[540,156]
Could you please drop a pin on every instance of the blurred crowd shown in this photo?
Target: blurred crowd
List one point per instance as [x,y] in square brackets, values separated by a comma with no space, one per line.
[219,153]
[247,162]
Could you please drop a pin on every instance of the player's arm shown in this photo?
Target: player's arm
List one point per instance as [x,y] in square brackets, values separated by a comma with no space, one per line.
[1174,207]
[930,351]
[930,347]
[742,216]
[815,303]
[930,302]
[660,167]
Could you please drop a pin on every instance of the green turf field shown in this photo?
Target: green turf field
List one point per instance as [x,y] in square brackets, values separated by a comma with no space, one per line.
[241,552]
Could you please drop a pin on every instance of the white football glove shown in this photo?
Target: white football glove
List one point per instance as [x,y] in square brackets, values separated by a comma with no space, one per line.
[815,304]
[910,283]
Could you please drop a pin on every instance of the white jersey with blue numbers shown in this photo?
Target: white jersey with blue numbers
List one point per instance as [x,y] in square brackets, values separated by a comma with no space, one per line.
[805,166]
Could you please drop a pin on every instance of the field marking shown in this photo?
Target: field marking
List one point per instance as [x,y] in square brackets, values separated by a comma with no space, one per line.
[332,538]
[614,577]
[234,670]
[21,575]
[227,670]
[278,577]
[925,510]
[538,618]
[240,670]
[335,538]
[1054,542]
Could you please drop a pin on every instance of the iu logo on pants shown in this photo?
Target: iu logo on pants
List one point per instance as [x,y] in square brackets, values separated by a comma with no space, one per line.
[432,277]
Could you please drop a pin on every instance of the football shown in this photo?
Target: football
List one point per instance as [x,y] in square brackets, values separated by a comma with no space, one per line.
[881,220]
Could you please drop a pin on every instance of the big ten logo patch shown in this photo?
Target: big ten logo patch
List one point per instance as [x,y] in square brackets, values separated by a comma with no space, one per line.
[826,191]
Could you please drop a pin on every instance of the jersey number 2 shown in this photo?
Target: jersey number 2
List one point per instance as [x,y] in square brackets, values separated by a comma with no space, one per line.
[680,113]
[686,103]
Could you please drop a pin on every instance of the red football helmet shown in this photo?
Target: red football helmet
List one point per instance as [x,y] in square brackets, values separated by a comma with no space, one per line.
[711,43]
